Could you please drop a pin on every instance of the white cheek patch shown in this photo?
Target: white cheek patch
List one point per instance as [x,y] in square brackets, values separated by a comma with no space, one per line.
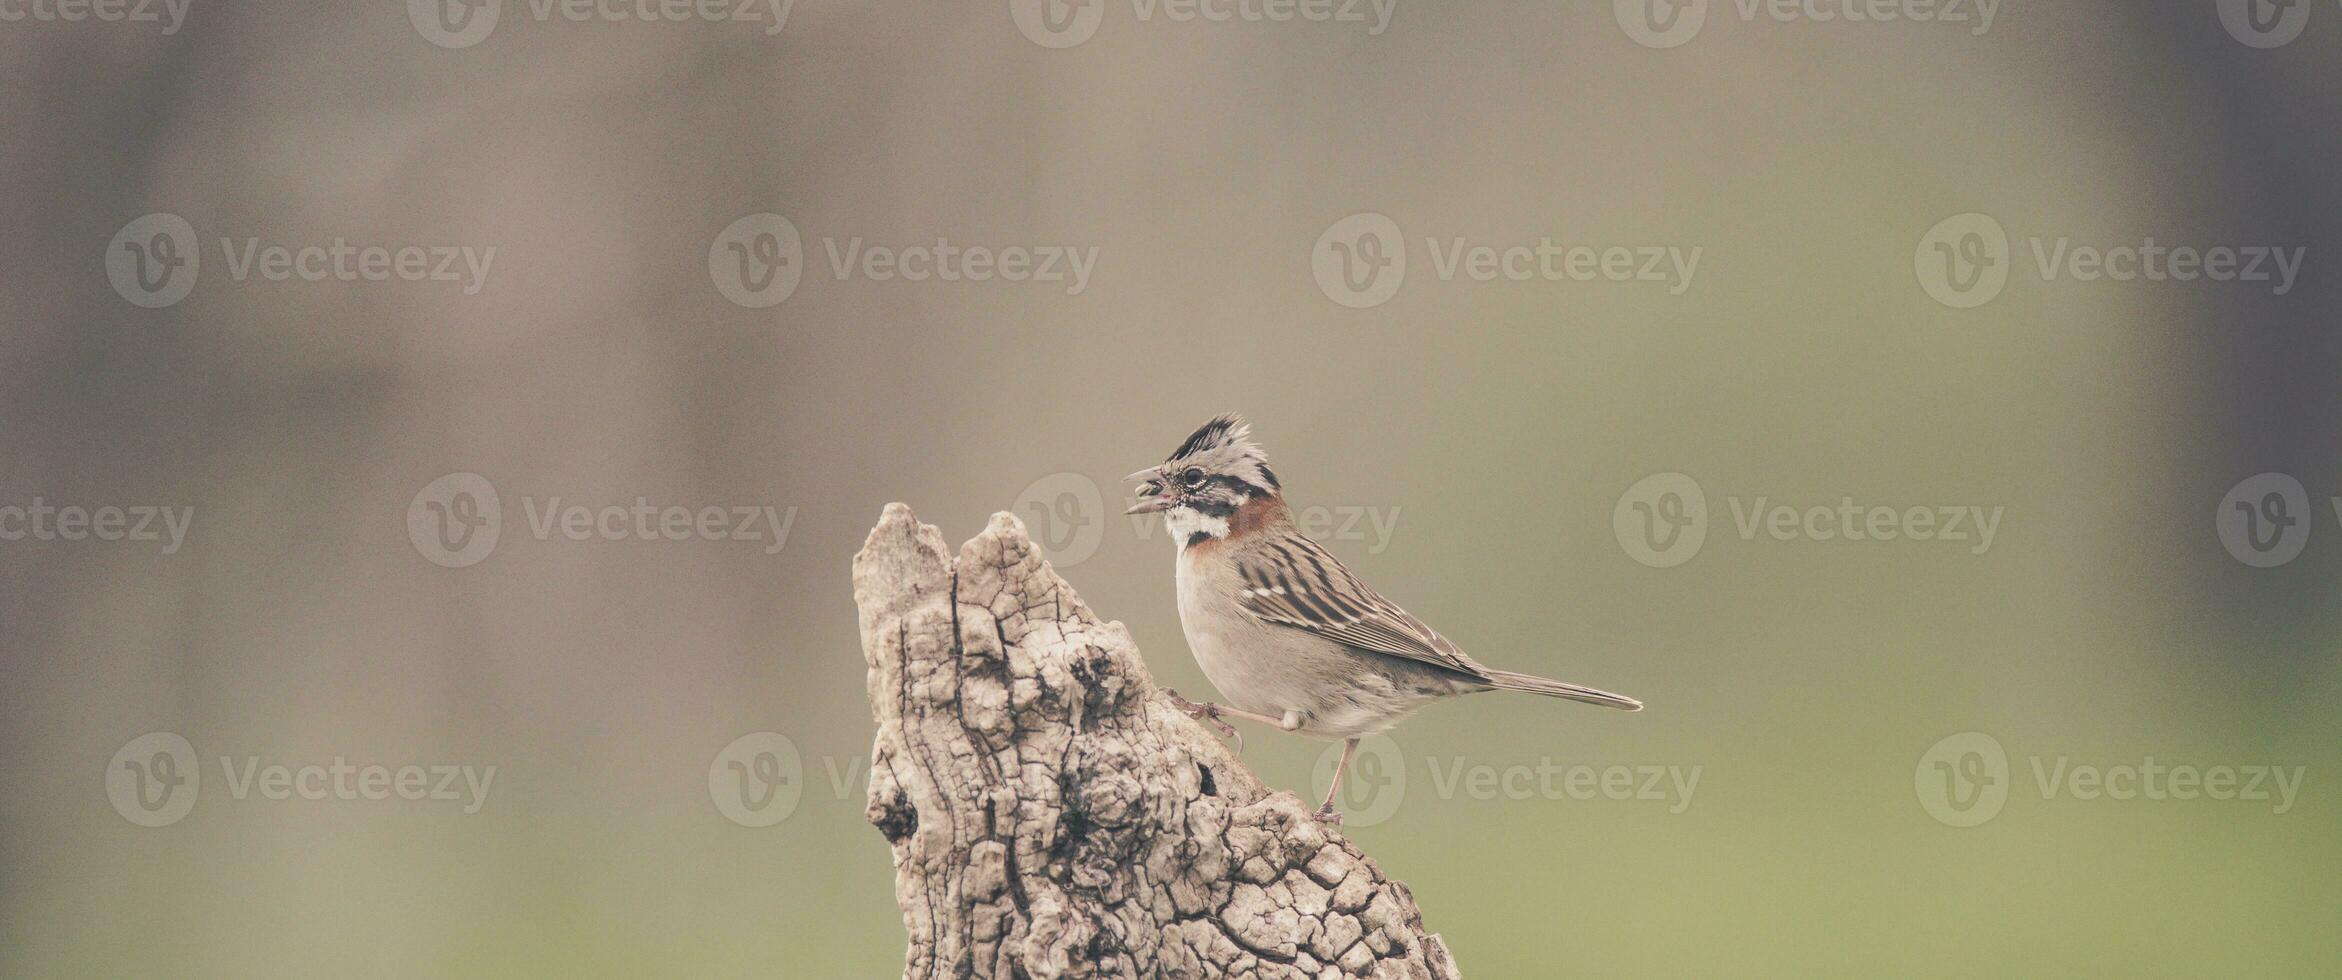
[1184,522]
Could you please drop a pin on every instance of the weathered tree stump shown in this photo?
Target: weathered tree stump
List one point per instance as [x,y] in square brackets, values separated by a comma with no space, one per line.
[1053,816]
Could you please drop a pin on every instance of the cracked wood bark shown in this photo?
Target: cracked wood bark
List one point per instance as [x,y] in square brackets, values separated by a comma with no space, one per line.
[1053,816]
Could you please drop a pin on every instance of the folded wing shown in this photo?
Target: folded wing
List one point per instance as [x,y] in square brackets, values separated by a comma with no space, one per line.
[1295,583]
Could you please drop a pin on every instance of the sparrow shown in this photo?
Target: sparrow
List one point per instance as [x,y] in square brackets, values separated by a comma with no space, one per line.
[1286,632]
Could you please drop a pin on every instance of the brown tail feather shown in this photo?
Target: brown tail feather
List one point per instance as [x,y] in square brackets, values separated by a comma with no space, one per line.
[1507,680]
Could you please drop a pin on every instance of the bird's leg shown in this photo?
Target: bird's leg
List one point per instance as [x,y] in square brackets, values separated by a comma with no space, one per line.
[1210,714]
[1327,812]
[1195,710]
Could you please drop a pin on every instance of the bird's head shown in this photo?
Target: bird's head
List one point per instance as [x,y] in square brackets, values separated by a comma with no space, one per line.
[1201,486]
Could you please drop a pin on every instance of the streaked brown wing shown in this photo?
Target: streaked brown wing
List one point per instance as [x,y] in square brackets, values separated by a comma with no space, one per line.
[1292,582]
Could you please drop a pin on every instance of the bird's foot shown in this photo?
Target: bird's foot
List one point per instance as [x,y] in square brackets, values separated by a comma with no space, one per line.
[1209,714]
[1328,815]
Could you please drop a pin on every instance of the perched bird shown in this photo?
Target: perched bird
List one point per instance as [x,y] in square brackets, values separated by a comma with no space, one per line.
[1284,630]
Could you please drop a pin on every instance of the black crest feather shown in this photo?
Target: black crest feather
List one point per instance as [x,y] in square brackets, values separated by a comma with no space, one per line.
[1213,435]
[1224,447]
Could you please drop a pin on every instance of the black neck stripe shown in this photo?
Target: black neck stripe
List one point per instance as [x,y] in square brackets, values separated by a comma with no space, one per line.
[1212,508]
[1240,485]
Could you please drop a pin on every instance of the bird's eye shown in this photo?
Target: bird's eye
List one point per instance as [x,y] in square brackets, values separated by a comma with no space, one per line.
[1193,476]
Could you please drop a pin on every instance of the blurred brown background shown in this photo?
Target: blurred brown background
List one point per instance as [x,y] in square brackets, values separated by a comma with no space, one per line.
[1490,428]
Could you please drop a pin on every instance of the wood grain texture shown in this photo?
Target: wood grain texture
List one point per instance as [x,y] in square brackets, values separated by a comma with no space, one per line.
[1052,816]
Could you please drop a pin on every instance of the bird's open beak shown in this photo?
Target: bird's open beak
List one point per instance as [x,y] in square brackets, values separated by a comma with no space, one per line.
[1149,505]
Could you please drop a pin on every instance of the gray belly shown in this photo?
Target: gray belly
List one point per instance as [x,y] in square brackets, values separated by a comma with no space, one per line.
[1341,692]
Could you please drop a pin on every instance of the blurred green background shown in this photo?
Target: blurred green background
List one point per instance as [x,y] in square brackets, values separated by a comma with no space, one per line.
[1492,426]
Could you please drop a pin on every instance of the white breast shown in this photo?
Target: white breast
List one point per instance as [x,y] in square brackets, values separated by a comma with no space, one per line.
[1230,645]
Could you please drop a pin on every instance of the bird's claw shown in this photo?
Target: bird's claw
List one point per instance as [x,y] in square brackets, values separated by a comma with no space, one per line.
[1328,815]
[1209,714]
